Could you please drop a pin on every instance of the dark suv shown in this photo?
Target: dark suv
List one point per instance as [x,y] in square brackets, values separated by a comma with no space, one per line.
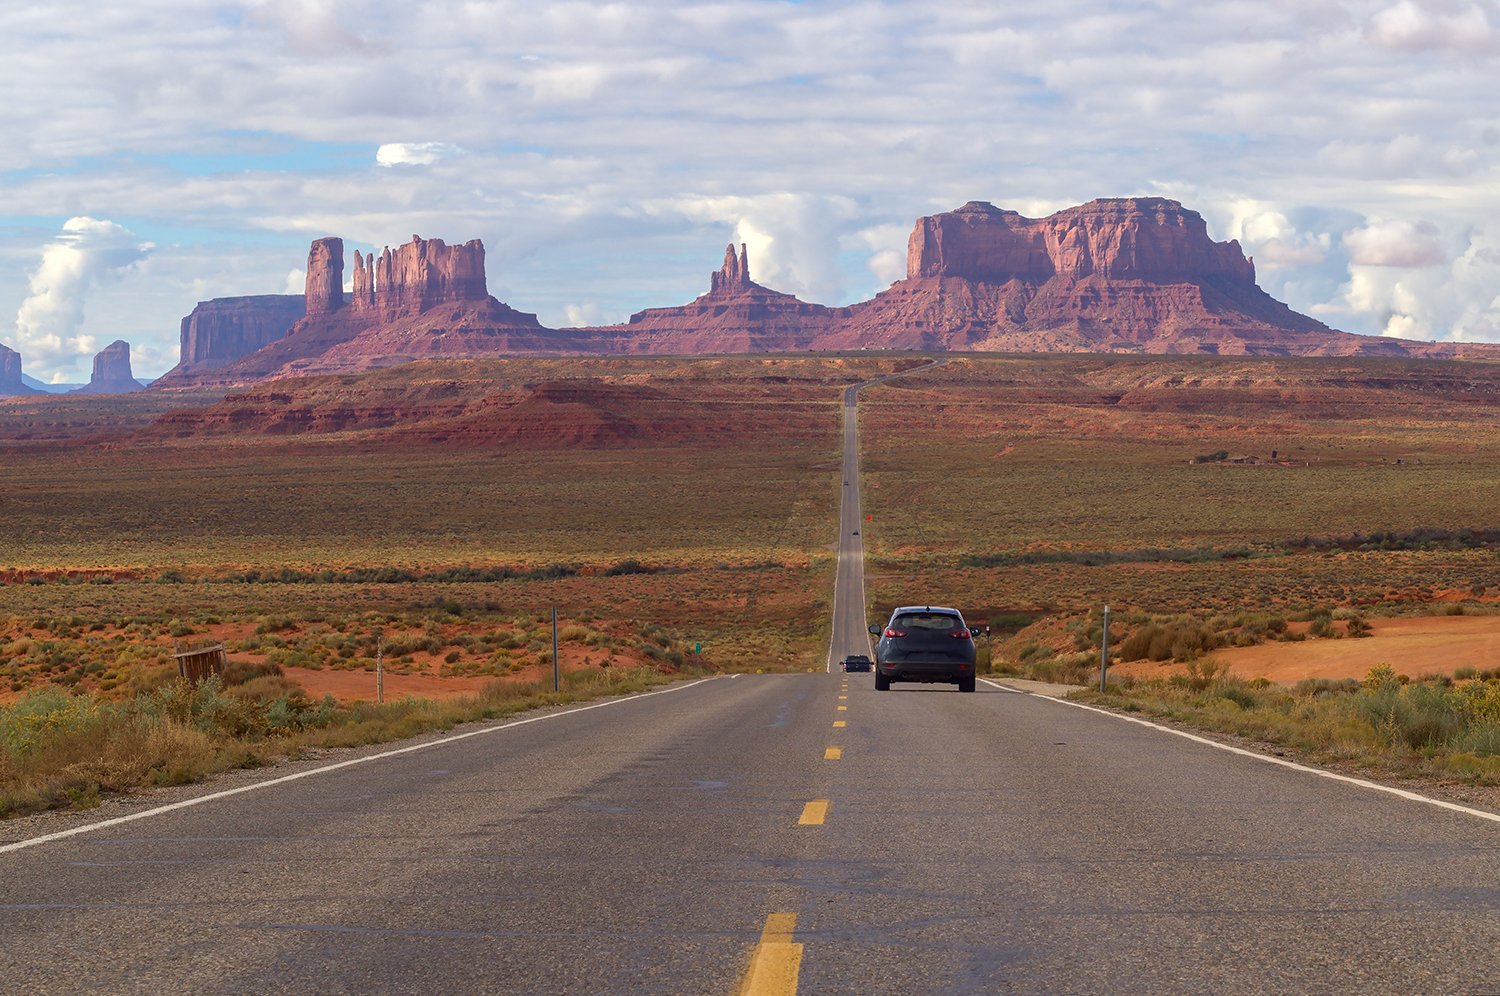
[926,643]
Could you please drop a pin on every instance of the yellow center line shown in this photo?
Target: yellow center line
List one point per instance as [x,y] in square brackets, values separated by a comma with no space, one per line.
[776,961]
[843,696]
[833,754]
[814,813]
[839,722]
[843,708]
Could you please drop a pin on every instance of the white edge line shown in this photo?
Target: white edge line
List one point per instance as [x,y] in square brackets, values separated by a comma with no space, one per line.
[1267,758]
[199,800]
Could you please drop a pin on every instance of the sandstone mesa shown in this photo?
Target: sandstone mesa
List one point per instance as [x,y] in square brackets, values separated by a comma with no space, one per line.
[1137,274]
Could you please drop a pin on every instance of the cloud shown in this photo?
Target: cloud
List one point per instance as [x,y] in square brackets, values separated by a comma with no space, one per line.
[622,141]
[414,153]
[312,26]
[793,239]
[1396,243]
[49,323]
[1457,301]
[1432,27]
[579,315]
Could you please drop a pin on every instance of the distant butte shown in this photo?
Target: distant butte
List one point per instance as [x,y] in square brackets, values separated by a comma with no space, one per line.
[11,383]
[112,374]
[737,315]
[1134,274]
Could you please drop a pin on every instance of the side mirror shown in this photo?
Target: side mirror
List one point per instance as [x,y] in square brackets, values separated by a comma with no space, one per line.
[875,630]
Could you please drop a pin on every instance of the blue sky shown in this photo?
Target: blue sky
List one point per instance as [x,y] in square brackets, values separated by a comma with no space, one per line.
[162,152]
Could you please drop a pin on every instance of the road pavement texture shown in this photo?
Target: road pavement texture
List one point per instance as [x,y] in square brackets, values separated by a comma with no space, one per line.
[771,832]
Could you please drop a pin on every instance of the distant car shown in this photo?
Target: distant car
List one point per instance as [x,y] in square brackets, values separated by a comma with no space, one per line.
[926,643]
[857,662]
[856,532]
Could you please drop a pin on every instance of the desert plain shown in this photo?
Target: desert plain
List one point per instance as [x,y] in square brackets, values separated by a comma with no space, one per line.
[1286,519]
[697,496]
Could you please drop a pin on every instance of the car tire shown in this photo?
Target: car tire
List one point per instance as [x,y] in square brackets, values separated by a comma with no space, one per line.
[882,683]
[966,684]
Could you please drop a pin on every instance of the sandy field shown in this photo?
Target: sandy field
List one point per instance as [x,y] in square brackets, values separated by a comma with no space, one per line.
[1416,646]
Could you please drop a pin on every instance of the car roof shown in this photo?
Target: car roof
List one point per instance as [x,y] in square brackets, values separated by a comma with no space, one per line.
[928,608]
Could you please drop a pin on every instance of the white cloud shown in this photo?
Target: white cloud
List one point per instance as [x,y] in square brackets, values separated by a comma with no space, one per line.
[1396,243]
[414,153]
[626,139]
[792,239]
[50,322]
[583,314]
[1454,302]
[1432,26]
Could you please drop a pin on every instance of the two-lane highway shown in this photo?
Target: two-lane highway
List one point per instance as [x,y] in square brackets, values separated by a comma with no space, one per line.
[786,830]
[849,633]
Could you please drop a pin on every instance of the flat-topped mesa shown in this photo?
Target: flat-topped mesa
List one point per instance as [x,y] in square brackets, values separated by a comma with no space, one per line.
[734,275]
[10,374]
[422,274]
[112,374]
[1118,238]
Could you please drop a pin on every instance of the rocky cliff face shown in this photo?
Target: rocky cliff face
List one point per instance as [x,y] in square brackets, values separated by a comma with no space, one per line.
[1134,275]
[325,276]
[1139,238]
[10,374]
[1120,274]
[224,329]
[422,300]
[112,374]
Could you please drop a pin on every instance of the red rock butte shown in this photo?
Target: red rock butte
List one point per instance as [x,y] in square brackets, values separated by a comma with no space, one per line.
[112,374]
[1138,274]
[11,383]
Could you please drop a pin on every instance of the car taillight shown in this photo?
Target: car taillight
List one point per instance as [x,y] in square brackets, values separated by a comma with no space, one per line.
[893,633]
[960,634]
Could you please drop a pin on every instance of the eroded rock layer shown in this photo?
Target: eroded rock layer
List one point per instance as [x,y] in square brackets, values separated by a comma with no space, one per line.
[227,328]
[1119,274]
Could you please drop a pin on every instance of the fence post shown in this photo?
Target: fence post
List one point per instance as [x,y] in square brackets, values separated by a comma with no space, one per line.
[1104,650]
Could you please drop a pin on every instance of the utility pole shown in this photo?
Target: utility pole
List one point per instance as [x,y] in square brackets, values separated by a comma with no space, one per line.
[556,674]
[379,670]
[1104,650]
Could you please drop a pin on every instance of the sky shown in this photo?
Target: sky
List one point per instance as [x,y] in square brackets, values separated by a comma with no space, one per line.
[158,153]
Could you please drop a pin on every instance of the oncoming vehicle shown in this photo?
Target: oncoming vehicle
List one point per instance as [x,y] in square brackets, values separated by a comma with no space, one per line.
[927,643]
[856,662]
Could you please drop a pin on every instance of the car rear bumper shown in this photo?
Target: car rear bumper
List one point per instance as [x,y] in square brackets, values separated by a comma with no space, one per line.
[951,672]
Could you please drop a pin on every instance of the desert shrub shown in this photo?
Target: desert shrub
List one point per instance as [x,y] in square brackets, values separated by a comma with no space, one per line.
[1200,674]
[982,660]
[1321,626]
[1311,688]
[1357,626]
[1422,715]
[1064,669]
[1180,639]
[1244,695]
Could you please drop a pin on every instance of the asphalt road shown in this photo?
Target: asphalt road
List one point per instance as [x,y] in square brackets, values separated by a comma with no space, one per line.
[674,842]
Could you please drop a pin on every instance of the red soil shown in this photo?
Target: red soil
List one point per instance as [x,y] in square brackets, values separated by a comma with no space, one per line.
[1415,647]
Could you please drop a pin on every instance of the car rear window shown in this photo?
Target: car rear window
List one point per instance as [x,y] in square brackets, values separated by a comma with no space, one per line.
[935,621]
